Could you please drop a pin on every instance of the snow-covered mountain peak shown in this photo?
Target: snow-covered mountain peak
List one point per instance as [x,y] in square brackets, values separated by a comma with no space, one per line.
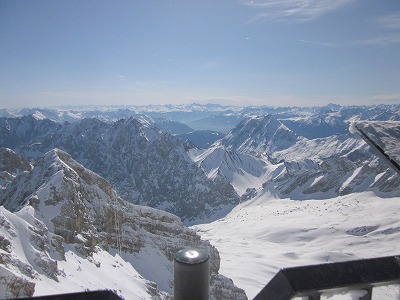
[54,171]
[242,170]
[257,124]
[259,135]
[132,131]
[146,166]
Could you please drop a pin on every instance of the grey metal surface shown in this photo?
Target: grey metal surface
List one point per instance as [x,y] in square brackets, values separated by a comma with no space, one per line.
[191,275]
[350,275]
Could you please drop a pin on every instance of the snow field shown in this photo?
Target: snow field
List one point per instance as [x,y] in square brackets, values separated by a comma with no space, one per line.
[113,273]
[265,234]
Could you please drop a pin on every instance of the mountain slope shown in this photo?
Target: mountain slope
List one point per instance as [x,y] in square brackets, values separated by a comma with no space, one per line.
[172,127]
[308,179]
[68,224]
[202,138]
[243,171]
[262,154]
[269,137]
[11,164]
[258,135]
[311,122]
[316,126]
[146,166]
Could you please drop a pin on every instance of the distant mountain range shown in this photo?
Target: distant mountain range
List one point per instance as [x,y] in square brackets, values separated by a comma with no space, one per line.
[199,175]
[109,187]
[262,153]
[145,165]
[311,122]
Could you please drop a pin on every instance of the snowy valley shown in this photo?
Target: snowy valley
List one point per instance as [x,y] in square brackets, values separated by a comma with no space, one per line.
[104,202]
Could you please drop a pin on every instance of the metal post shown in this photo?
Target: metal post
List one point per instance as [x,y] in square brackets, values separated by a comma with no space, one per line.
[315,296]
[368,295]
[191,275]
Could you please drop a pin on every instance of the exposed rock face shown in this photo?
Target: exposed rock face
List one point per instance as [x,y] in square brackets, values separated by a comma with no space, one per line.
[60,207]
[258,135]
[14,286]
[221,288]
[16,273]
[317,126]
[202,138]
[11,164]
[174,128]
[146,166]
[333,177]
[262,150]
[26,129]
[268,137]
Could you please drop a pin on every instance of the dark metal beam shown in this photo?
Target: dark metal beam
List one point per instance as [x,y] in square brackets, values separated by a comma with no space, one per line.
[350,275]
[391,162]
[90,295]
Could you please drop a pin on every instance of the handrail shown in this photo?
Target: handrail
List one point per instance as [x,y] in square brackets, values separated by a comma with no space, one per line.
[87,295]
[305,281]
[311,281]
[390,161]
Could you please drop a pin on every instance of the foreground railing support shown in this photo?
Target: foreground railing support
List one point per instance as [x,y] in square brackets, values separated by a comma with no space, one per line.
[311,281]
[316,296]
[191,275]
[368,295]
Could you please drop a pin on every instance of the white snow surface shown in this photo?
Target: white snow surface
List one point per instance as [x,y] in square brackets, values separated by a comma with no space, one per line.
[265,234]
[113,273]
[241,170]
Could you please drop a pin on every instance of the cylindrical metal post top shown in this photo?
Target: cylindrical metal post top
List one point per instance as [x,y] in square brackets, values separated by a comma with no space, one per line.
[191,275]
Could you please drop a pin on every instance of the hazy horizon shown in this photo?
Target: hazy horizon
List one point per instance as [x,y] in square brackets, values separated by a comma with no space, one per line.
[111,107]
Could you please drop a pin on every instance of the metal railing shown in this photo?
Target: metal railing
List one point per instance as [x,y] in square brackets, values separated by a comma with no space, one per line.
[191,279]
[191,275]
[312,281]
[90,295]
[381,152]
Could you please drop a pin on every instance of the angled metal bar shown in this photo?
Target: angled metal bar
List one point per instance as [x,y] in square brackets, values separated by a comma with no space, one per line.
[90,295]
[316,296]
[279,288]
[381,152]
[350,275]
[368,295]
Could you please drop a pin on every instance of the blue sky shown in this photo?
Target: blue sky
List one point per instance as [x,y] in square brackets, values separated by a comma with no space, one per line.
[236,52]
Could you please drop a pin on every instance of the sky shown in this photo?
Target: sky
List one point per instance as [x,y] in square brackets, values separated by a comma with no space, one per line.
[231,52]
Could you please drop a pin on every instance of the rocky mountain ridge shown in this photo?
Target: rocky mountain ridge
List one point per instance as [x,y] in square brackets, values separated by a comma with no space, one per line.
[255,154]
[263,154]
[11,165]
[67,214]
[311,122]
[61,216]
[145,165]
[259,135]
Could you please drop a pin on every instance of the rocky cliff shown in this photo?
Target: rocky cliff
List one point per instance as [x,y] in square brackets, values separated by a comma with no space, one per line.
[145,166]
[61,214]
